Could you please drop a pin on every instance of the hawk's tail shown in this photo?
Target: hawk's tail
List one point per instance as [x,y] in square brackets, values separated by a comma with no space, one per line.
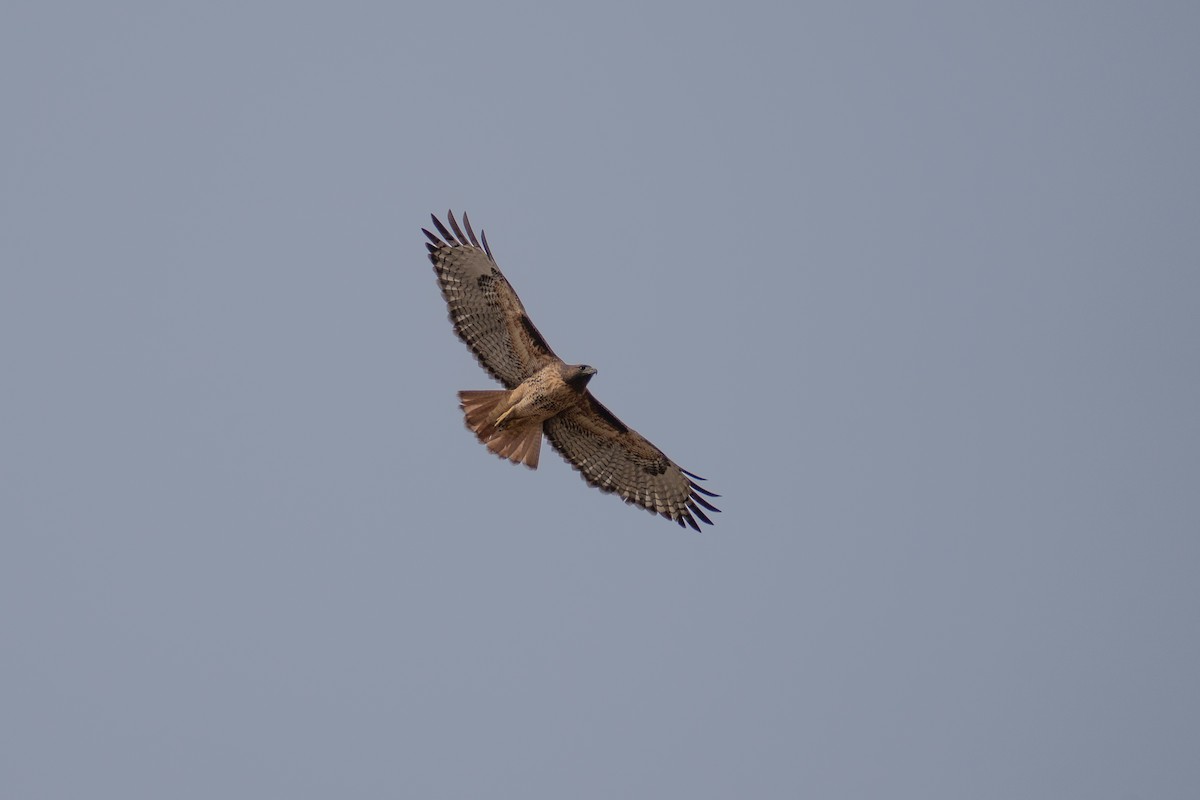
[520,444]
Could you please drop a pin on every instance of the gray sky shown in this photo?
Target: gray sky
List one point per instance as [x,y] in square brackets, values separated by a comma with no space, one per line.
[916,288]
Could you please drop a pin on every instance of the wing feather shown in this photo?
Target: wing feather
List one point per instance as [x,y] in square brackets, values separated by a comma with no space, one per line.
[470,233]
[615,458]
[485,311]
[458,234]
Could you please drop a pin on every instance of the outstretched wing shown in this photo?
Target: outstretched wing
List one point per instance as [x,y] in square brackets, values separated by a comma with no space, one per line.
[486,312]
[615,458]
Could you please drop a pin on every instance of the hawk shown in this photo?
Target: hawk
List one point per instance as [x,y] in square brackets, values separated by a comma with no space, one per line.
[543,394]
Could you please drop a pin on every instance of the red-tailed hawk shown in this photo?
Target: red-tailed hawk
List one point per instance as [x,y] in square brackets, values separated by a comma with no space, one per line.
[543,394]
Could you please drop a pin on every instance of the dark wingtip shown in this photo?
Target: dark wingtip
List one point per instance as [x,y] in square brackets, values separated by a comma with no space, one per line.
[699,514]
[457,230]
[470,233]
[454,234]
[437,223]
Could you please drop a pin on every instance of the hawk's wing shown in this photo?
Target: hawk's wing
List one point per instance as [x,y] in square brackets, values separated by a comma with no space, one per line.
[615,458]
[486,312]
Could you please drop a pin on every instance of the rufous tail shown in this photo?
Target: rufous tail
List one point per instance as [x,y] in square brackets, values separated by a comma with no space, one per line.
[519,443]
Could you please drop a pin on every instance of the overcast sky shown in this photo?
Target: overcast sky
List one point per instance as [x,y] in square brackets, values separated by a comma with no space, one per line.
[916,286]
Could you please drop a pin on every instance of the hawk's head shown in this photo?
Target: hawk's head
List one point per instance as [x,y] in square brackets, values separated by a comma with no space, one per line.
[578,375]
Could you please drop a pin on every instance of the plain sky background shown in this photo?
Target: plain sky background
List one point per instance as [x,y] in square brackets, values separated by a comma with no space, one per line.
[916,286]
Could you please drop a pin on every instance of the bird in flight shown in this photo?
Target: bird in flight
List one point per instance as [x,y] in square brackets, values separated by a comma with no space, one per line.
[543,394]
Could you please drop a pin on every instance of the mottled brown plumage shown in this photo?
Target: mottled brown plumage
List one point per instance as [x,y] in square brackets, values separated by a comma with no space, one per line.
[542,393]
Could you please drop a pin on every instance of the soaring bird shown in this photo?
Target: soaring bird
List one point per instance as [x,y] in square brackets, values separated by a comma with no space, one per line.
[543,394]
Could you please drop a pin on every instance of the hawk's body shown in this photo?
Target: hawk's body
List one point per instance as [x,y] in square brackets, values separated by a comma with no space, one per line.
[509,421]
[543,394]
